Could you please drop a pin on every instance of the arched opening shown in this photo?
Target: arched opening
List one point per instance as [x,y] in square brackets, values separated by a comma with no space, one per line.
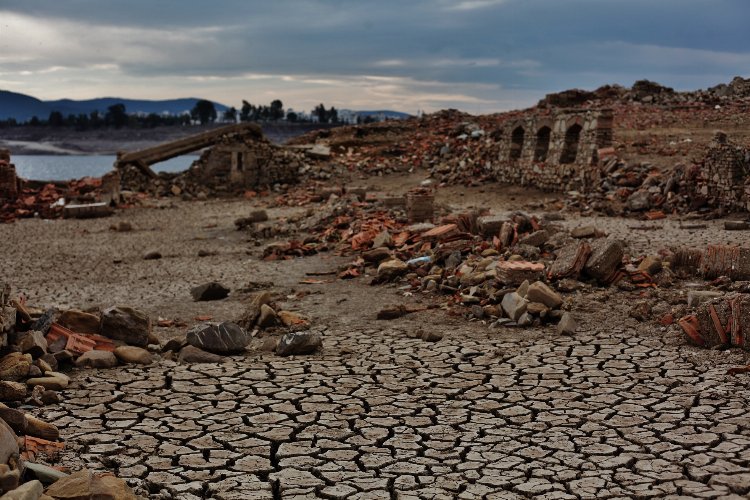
[516,143]
[570,148]
[542,143]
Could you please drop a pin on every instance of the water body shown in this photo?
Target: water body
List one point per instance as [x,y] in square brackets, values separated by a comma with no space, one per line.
[66,167]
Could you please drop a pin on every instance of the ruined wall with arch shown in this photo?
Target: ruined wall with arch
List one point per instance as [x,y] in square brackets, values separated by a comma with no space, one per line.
[553,150]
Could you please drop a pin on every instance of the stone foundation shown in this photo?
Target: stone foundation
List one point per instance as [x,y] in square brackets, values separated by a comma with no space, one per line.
[8,177]
[722,177]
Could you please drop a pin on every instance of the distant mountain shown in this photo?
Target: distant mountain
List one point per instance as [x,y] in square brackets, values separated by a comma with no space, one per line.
[22,107]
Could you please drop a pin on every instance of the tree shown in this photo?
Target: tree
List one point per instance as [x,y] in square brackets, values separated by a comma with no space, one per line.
[291,117]
[35,121]
[333,115]
[321,112]
[230,115]
[277,110]
[56,119]
[245,111]
[116,115]
[204,111]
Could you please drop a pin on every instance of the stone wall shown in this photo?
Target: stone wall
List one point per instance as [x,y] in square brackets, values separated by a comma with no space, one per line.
[555,151]
[722,178]
[246,164]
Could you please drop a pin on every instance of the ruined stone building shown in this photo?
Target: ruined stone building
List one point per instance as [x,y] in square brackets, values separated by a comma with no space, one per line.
[723,177]
[557,151]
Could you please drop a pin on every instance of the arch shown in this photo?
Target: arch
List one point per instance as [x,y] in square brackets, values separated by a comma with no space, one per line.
[570,146]
[541,149]
[516,143]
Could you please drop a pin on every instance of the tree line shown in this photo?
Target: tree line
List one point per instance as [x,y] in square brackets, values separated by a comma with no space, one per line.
[204,112]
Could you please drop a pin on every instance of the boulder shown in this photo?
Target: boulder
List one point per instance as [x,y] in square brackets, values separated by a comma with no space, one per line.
[108,486]
[209,291]
[133,354]
[289,318]
[540,292]
[219,338]
[79,321]
[126,324]
[15,366]
[299,343]
[191,354]
[97,359]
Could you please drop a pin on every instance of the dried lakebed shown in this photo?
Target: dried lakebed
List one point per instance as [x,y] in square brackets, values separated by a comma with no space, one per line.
[620,409]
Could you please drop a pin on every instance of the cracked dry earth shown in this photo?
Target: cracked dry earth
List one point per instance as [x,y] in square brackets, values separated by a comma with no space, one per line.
[621,409]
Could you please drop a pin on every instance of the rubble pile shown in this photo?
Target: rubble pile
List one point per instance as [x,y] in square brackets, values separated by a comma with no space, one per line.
[36,345]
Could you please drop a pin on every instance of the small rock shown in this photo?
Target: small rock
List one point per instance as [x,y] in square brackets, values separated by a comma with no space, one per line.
[641,311]
[174,344]
[9,479]
[514,305]
[391,269]
[525,320]
[44,473]
[299,343]
[377,254]
[535,239]
[251,314]
[289,318]
[219,338]
[697,297]
[96,359]
[54,381]
[126,324]
[33,343]
[15,366]
[606,258]
[123,226]
[12,391]
[537,309]
[32,490]
[651,265]
[152,255]
[79,321]
[8,442]
[268,317]
[73,487]
[736,225]
[540,292]
[383,239]
[133,354]
[567,325]
[523,289]
[584,232]
[191,354]
[209,291]
[431,336]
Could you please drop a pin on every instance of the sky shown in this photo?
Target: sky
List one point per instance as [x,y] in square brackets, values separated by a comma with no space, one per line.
[479,56]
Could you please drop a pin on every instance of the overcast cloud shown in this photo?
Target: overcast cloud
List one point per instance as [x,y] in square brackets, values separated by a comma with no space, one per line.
[476,55]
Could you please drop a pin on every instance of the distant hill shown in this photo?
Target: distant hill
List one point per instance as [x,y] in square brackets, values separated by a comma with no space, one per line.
[397,115]
[22,107]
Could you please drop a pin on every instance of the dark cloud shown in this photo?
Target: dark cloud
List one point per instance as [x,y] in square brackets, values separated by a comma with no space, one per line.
[479,46]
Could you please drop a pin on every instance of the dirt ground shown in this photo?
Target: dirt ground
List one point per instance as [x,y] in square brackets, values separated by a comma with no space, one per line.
[621,409]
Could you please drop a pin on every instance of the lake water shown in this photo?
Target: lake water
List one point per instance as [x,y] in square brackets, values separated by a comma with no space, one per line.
[63,168]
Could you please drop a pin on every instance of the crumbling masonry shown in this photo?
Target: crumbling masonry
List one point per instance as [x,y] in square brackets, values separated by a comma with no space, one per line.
[723,177]
[554,152]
